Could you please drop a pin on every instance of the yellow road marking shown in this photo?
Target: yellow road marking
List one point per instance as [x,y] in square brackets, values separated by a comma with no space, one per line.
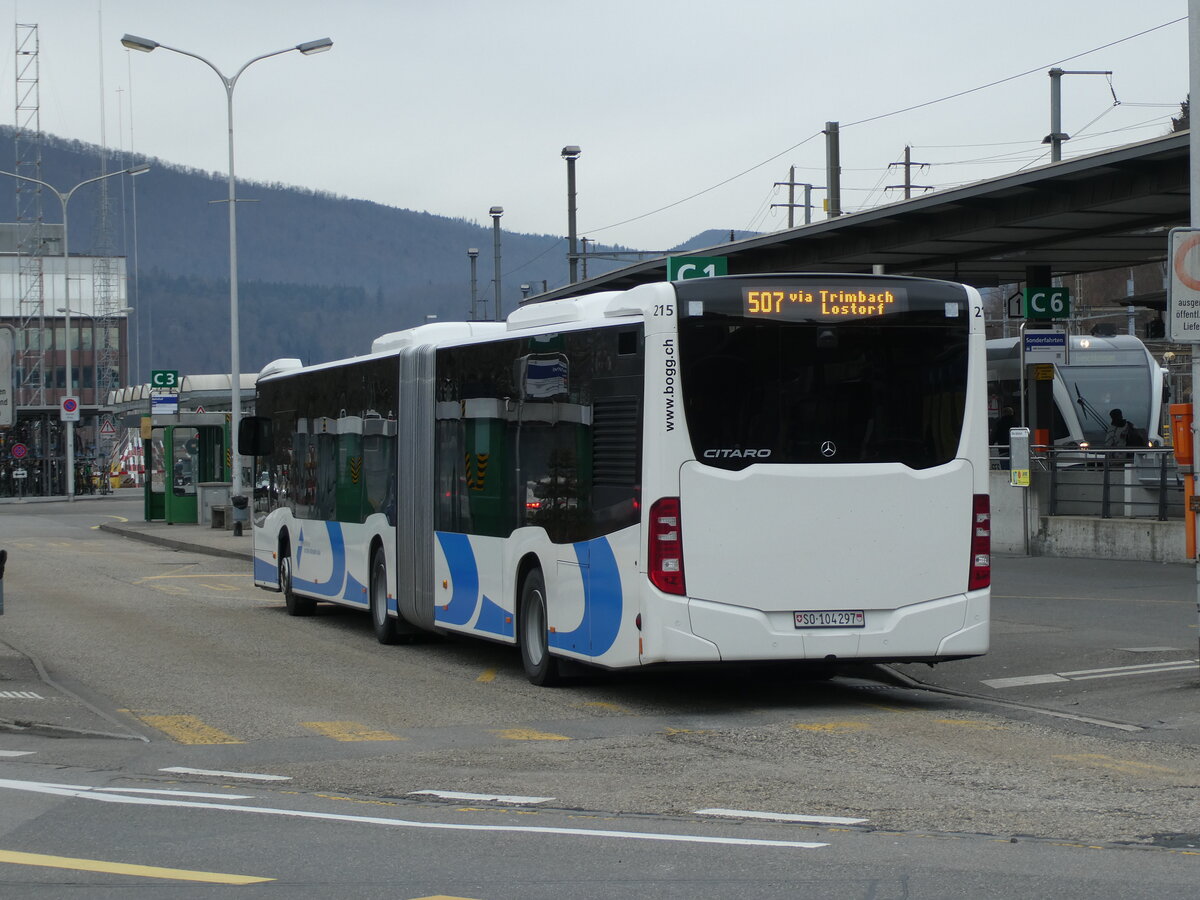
[118,518]
[1124,766]
[188,730]
[218,587]
[149,578]
[171,589]
[350,731]
[116,868]
[611,707]
[488,675]
[526,734]
[441,897]
[970,723]
[831,727]
[669,731]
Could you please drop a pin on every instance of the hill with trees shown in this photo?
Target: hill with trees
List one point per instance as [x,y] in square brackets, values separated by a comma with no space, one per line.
[320,276]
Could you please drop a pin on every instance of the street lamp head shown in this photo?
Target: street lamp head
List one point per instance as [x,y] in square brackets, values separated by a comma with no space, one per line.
[138,170]
[571,152]
[496,211]
[473,252]
[318,46]
[133,42]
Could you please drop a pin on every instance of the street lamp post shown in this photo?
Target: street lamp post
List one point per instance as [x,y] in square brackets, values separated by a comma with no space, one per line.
[570,154]
[496,212]
[473,255]
[308,48]
[64,198]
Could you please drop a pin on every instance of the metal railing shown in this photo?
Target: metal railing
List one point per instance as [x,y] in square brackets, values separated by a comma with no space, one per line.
[1120,483]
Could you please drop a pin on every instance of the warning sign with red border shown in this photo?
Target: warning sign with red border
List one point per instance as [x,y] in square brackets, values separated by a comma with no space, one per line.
[1183,290]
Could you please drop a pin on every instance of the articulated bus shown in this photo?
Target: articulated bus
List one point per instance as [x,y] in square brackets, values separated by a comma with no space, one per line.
[746,468]
[1103,373]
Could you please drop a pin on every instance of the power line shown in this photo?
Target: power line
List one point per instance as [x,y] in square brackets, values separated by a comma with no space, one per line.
[1000,81]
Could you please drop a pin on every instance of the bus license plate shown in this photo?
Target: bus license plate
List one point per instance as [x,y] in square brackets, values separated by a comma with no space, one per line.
[831,618]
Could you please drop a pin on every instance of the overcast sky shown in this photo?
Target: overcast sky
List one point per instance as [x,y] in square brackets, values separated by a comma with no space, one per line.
[453,106]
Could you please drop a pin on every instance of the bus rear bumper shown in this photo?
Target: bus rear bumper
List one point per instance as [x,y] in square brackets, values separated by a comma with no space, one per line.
[955,626]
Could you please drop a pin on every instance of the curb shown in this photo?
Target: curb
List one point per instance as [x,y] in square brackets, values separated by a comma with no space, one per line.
[174,544]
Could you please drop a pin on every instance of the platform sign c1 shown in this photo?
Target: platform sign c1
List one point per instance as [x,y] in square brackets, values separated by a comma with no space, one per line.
[1183,288]
[680,268]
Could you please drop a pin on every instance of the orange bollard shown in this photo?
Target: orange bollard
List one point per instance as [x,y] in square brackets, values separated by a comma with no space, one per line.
[1181,440]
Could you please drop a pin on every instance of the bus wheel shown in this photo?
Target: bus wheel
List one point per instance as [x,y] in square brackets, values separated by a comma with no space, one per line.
[386,630]
[296,606]
[540,667]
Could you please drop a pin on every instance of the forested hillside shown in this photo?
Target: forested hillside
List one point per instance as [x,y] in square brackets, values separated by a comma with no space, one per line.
[320,276]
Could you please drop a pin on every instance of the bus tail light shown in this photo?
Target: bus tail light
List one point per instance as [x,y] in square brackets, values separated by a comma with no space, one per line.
[666,546]
[981,544]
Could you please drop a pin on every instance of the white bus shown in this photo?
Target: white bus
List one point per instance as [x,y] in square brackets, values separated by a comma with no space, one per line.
[1103,374]
[767,467]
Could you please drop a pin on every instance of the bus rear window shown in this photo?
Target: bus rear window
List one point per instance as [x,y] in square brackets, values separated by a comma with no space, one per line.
[884,388]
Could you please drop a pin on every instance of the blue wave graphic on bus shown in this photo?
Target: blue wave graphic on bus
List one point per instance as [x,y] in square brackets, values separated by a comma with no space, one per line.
[603,599]
[333,587]
[465,575]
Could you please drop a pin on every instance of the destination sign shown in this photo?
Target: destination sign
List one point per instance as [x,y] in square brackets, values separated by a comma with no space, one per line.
[823,304]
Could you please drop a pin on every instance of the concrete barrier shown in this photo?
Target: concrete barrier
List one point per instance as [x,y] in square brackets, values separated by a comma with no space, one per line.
[1018,527]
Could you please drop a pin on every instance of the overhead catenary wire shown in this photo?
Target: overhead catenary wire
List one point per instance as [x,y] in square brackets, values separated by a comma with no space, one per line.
[877,118]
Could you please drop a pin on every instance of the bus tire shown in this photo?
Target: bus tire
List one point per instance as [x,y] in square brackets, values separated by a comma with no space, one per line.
[386,628]
[541,668]
[296,606]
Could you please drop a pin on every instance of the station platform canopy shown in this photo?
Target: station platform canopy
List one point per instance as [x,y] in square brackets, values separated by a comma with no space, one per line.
[1106,210]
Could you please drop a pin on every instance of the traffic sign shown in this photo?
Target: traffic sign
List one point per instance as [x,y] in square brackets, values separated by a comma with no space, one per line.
[19,451]
[165,403]
[68,411]
[1048,346]
[20,473]
[164,378]
[107,427]
[1183,290]
[1047,303]
[680,268]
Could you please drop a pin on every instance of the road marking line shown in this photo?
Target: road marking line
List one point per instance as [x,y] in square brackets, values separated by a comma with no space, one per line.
[1086,674]
[188,730]
[779,817]
[1131,670]
[350,731]
[150,578]
[526,734]
[249,776]
[1149,649]
[86,792]
[20,695]
[117,790]
[611,707]
[1125,766]
[494,798]
[832,727]
[116,868]
[1165,667]
[17,752]
[1019,682]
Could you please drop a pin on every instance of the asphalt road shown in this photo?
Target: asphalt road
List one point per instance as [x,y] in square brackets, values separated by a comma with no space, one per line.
[1067,755]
